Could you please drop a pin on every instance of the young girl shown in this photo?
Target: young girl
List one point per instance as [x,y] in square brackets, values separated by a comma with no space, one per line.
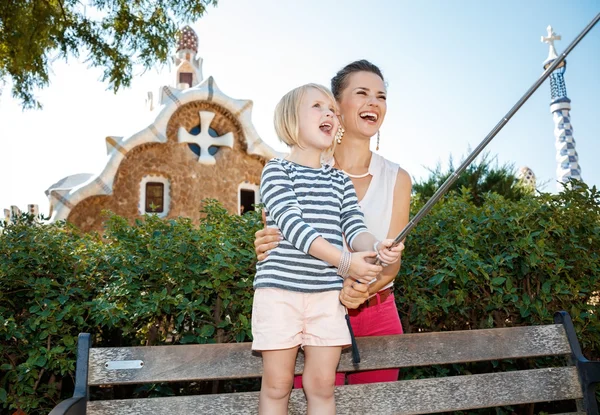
[297,286]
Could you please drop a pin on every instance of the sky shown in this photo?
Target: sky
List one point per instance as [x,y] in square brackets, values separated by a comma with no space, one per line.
[453,70]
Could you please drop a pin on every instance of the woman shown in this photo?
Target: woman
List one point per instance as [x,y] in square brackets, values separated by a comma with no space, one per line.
[383,190]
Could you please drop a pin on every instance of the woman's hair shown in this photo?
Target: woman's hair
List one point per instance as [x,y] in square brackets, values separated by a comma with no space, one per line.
[340,81]
[287,113]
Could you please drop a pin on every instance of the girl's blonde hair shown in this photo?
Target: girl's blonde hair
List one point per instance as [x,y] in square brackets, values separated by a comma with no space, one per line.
[287,111]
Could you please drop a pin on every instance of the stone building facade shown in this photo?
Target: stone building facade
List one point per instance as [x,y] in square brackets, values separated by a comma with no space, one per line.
[201,144]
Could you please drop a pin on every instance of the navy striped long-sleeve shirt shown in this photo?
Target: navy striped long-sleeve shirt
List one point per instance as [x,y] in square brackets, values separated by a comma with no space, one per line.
[305,203]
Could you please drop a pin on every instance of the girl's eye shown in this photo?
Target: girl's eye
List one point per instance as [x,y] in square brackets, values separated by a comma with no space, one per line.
[361,93]
[317,105]
[383,97]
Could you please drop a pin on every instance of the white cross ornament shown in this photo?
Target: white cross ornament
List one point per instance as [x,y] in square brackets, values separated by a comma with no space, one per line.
[204,139]
[550,41]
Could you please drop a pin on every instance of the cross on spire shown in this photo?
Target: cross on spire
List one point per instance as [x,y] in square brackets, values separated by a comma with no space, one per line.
[550,41]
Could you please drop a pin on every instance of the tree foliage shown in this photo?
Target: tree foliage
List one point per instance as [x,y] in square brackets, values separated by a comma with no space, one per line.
[480,177]
[111,34]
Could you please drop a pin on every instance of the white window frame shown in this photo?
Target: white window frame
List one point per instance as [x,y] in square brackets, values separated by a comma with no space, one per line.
[166,197]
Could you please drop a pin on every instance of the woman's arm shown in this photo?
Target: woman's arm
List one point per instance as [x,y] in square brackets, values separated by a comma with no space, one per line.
[400,214]
[266,239]
[353,293]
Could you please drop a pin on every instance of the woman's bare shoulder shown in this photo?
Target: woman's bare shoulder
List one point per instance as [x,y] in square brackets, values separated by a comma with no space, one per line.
[403,183]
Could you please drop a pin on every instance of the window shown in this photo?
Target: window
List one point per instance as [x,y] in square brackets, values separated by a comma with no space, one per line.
[185,78]
[247,197]
[246,201]
[155,197]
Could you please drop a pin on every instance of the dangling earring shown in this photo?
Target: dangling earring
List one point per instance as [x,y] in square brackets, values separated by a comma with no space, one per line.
[339,134]
[378,134]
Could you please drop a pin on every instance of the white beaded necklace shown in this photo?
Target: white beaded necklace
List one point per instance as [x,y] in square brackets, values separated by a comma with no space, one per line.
[357,176]
[354,176]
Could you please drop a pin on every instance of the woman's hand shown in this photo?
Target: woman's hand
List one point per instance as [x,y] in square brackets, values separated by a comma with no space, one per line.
[361,268]
[266,239]
[353,293]
[389,255]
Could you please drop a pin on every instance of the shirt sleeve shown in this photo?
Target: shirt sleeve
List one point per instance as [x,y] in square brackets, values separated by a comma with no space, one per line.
[352,218]
[281,202]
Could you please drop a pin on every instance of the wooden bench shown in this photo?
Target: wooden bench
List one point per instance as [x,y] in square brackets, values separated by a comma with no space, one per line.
[138,365]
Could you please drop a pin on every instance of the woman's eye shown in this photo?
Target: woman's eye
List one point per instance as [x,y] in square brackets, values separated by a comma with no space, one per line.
[317,105]
[361,93]
[383,97]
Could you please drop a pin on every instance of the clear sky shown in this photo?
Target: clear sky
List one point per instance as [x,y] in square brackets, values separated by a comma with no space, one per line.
[453,68]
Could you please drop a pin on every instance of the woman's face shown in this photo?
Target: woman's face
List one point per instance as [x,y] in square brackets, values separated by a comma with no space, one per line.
[362,104]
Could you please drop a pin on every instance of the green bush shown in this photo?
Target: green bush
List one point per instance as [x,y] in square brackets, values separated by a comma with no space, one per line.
[43,289]
[498,263]
[152,282]
[504,264]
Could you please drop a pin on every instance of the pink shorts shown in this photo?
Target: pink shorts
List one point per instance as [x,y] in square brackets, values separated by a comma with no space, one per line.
[283,319]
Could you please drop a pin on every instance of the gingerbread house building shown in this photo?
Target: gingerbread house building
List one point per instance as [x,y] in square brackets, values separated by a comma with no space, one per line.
[200,144]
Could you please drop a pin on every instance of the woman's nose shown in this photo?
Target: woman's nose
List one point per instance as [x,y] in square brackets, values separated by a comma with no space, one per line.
[373,102]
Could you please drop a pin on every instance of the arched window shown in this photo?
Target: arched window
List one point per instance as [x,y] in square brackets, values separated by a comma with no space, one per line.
[155,196]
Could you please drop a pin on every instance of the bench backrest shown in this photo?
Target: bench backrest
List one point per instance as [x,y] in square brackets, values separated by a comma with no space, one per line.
[231,361]
[122,365]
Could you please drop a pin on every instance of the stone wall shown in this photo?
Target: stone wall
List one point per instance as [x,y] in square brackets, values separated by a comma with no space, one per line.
[190,181]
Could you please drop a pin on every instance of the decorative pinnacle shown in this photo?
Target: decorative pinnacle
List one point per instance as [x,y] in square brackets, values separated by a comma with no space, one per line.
[550,41]
[188,39]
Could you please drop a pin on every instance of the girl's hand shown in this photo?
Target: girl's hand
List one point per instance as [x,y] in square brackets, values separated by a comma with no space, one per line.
[360,268]
[389,255]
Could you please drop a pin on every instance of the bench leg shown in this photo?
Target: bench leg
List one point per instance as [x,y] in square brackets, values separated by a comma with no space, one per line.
[589,372]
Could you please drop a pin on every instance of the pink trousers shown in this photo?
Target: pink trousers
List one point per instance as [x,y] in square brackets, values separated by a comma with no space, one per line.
[377,320]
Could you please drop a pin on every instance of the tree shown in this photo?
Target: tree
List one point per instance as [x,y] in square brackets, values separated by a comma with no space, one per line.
[480,177]
[112,34]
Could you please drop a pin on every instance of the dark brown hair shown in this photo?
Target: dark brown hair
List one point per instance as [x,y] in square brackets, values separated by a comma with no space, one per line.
[340,81]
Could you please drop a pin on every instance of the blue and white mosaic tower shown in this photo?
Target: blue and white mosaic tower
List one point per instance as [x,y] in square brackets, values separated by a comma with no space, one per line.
[566,155]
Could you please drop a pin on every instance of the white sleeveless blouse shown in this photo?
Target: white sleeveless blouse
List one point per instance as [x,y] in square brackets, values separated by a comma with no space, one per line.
[378,202]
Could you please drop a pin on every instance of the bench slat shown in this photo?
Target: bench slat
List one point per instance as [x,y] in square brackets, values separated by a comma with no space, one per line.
[235,360]
[403,397]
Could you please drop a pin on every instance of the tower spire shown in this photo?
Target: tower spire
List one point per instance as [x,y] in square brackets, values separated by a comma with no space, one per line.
[189,67]
[560,105]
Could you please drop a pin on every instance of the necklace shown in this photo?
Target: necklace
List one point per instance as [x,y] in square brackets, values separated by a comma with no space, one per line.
[357,176]
[354,176]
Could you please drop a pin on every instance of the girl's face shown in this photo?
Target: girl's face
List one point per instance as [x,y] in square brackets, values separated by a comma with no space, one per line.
[316,120]
[363,104]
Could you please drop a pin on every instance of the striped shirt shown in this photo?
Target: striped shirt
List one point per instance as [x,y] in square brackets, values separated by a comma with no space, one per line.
[305,203]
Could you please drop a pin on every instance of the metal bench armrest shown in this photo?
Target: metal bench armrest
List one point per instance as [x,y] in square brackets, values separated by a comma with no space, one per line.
[589,372]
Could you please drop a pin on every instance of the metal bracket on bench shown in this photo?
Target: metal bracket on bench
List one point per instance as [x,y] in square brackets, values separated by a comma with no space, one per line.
[589,372]
[124,364]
